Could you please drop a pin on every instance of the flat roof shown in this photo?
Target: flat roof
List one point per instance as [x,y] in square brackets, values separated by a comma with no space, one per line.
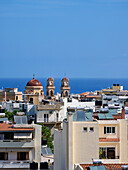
[10,128]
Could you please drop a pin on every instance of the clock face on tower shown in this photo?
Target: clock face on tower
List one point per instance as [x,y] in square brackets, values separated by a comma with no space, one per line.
[65,83]
[50,83]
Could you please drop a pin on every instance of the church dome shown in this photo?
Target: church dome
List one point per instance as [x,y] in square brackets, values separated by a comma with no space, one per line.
[34,82]
[50,78]
[65,78]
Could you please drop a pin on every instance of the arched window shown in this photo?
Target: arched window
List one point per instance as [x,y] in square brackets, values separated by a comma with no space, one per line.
[66,93]
[51,92]
[47,93]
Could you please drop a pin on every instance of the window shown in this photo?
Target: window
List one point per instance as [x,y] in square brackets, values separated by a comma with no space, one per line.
[107,153]
[57,116]
[85,129]
[31,100]
[46,118]
[1,136]
[91,129]
[66,94]
[22,156]
[3,156]
[51,93]
[16,97]
[109,130]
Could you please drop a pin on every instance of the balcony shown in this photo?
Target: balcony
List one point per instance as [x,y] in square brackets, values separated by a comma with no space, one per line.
[110,161]
[16,143]
[14,164]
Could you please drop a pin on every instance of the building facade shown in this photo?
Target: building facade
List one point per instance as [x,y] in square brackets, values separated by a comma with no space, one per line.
[33,91]
[20,144]
[10,94]
[77,142]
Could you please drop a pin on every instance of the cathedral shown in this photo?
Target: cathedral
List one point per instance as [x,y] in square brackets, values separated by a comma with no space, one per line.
[34,90]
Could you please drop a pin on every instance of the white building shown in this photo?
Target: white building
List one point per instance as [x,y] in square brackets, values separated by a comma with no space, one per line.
[76,103]
[50,113]
[20,144]
[56,112]
[113,101]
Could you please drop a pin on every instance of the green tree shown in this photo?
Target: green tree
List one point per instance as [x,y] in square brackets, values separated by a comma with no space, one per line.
[100,154]
[46,134]
[10,115]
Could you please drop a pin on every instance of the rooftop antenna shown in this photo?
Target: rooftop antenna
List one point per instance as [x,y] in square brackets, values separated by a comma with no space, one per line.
[33,76]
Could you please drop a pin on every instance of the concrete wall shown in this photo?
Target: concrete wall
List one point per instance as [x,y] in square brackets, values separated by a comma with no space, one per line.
[123,141]
[85,144]
[60,149]
[37,142]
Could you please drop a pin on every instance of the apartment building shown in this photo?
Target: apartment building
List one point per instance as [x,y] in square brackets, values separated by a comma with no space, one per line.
[20,144]
[116,88]
[10,94]
[85,135]
[113,141]
[77,142]
[114,101]
[71,102]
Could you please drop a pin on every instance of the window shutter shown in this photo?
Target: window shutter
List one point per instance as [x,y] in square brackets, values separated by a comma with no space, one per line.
[104,130]
[113,129]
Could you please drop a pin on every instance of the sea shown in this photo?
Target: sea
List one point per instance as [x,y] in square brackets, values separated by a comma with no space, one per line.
[78,85]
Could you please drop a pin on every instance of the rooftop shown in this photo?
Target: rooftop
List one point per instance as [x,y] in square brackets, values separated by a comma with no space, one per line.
[107,166]
[34,82]
[4,127]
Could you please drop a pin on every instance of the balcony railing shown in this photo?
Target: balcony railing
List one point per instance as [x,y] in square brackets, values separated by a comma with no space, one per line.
[14,164]
[16,143]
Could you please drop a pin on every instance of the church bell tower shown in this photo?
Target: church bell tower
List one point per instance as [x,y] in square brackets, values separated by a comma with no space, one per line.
[65,87]
[50,88]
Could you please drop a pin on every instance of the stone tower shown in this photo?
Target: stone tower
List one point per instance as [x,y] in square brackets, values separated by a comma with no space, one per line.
[65,87]
[50,88]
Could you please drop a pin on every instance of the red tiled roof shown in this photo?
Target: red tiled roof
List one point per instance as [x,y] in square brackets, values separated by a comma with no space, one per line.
[109,139]
[7,127]
[117,117]
[34,82]
[85,93]
[93,96]
[107,166]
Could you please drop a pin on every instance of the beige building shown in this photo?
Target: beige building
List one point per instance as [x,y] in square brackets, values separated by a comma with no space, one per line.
[82,138]
[113,139]
[78,142]
[10,94]
[34,92]
[116,88]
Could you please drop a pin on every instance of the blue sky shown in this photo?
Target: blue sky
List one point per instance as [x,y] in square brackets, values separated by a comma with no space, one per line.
[76,38]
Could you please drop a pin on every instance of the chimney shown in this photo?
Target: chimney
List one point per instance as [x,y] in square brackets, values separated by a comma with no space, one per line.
[123,113]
